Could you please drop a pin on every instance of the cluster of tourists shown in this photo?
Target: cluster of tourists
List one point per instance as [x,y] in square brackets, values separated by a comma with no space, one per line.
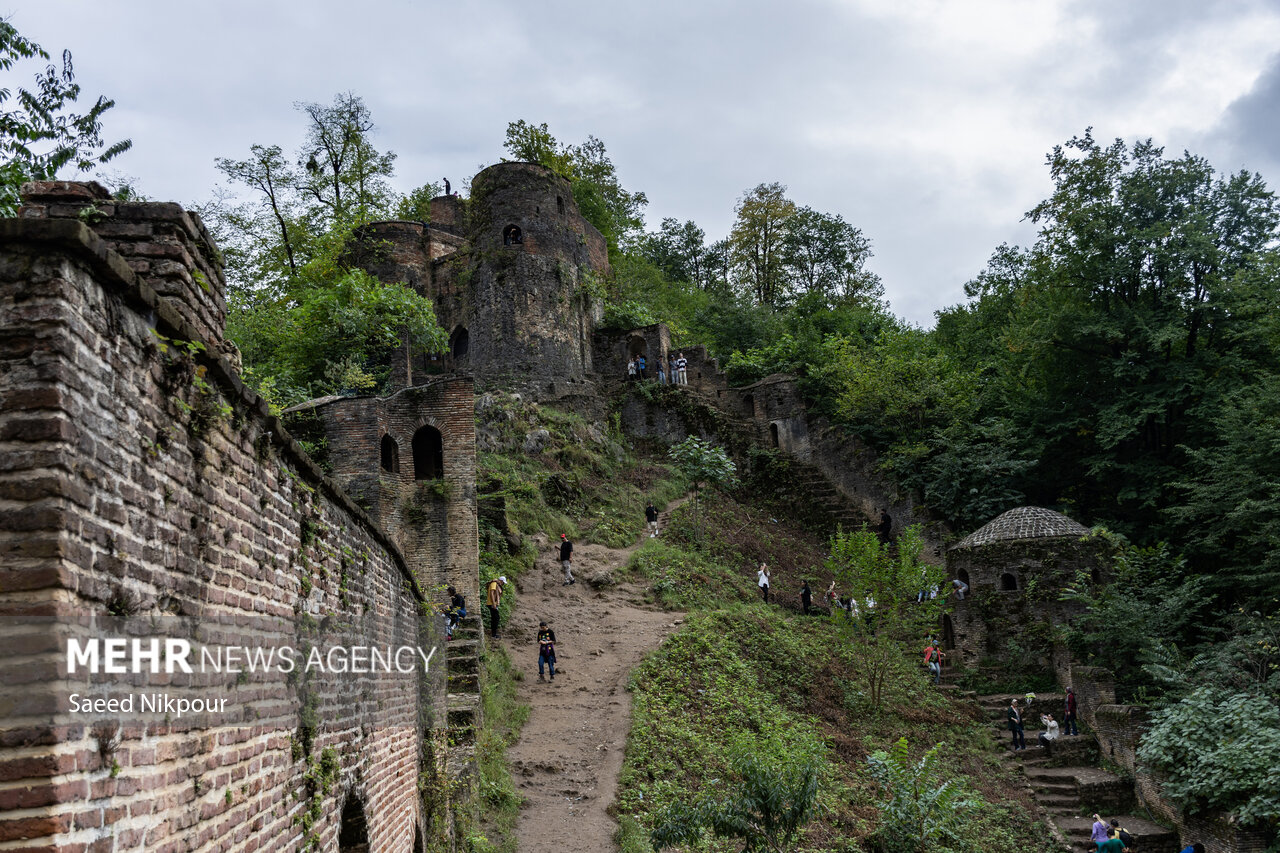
[675,371]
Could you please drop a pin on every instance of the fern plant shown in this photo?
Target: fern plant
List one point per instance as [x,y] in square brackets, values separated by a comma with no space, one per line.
[920,811]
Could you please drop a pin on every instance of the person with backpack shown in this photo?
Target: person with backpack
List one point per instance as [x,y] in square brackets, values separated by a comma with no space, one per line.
[1118,831]
[933,660]
[546,649]
[493,598]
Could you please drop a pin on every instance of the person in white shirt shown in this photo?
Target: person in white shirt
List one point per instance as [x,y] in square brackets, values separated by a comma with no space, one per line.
[1050,733]
[762,580]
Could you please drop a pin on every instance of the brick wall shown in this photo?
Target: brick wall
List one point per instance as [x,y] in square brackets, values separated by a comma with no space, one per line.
[146,493]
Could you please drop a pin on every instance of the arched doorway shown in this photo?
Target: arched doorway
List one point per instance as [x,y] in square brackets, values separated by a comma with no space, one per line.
[773,434]
[459,343]
[1008,582]
[353,832]
[749,405]
[637,345]
[428,454]
[390,453]
[948,632]
[512,236]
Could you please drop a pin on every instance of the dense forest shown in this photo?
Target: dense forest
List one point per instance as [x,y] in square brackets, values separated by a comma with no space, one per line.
[1124,368]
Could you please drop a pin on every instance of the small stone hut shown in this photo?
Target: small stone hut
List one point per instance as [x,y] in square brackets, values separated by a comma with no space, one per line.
[1015,567]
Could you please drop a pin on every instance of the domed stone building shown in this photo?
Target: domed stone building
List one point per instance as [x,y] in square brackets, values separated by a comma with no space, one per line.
[1016,567]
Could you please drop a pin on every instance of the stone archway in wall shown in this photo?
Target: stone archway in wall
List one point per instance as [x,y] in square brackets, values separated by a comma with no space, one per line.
[1008,582]
[353,830]
[749,406]
[428,453]
[459,344]
[773,435]
[389,454]
[637,345]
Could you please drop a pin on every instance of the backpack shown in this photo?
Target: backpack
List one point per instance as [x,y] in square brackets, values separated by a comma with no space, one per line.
[1125,838]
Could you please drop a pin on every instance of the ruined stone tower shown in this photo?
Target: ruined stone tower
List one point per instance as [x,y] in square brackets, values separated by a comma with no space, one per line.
[514,273]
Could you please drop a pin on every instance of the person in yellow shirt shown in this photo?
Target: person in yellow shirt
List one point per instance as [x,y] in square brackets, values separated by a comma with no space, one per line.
[493,598]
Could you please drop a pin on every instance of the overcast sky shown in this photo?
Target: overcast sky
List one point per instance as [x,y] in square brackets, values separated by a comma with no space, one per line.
[923,122]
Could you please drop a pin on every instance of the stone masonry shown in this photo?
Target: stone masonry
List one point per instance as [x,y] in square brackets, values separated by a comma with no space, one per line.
[147,493]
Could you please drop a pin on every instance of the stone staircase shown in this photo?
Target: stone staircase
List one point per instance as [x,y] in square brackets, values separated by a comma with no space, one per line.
[1068,785]
[462,657]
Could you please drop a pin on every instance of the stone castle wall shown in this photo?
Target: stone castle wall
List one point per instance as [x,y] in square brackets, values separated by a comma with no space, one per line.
[146,493]
[432,519]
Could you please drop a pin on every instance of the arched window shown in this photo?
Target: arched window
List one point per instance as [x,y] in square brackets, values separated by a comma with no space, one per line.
[353,832]
[1008,582]
[749,405]
[459,343]
[511,236]
[428,454]
[773,434]
[560,205]
[390,454]
[637,345]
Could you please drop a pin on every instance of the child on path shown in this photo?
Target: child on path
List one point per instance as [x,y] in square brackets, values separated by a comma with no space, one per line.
[546,649]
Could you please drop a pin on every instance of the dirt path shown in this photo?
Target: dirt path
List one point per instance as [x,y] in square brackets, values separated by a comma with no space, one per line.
[567,760]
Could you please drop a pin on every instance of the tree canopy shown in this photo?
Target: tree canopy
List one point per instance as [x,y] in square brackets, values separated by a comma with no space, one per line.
[39,136]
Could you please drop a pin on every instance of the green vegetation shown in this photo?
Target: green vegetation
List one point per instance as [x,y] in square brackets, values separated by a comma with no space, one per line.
[789,688]
[308,321]
[39,137]
[504,716]
[702,465]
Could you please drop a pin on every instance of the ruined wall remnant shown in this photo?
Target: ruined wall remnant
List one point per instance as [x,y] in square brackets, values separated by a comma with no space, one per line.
[148,494]
[410,459]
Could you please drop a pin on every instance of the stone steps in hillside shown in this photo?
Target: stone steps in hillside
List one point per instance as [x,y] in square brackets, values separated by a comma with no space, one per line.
[1147,835]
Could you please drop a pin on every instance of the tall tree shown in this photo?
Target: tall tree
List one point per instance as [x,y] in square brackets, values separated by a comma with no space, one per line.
[601,198]
[38,136]
[825,255]
[756,242]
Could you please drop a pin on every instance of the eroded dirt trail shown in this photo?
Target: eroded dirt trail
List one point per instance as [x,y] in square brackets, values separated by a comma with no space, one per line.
[567,760]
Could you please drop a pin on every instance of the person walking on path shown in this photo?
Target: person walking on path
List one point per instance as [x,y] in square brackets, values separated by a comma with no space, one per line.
[1101,831]
[762,580]
[566,559]
[1050,733]
[493,598]
[651,516]
[1069,718]
[933,660]
[1015,726]
[806,598]
[546,649]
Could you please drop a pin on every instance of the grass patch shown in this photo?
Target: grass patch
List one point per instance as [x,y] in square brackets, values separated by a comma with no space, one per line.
[504,716]
[560,474]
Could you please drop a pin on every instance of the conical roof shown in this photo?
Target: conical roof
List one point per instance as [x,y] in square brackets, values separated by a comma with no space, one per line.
[1025,522]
